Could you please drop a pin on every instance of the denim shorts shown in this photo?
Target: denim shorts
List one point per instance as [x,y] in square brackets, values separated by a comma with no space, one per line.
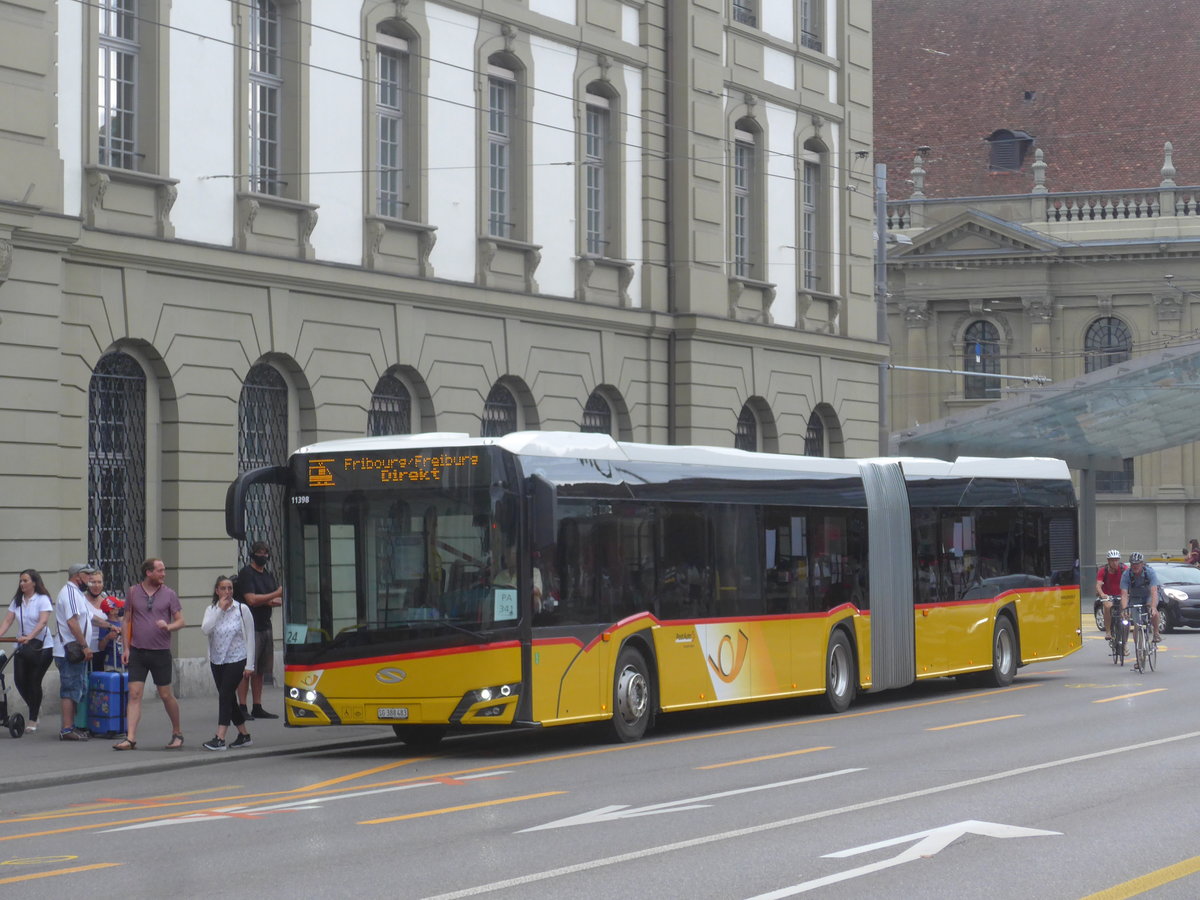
[72,679]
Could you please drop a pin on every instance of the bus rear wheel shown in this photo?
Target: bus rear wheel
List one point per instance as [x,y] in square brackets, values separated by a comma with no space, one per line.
[631,696]
[1004,654]
[420,737]
[840,679]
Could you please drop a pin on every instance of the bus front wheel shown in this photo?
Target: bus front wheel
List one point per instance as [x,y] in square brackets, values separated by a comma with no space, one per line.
[631,696]
[420,737]
[1004,653]
[840,686]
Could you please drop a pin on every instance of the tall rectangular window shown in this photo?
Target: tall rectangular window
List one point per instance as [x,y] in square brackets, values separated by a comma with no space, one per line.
[595,161]
[266,97]
[810,24]
[746,12]
[118,74]
[810,225]
[501,99]
[391,114]
[743,204]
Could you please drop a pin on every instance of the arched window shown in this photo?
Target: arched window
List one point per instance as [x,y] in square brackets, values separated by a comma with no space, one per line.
[814,437]
[981,353]
[391,407]
[262,441]
[597,415]
[394,121]
[600,172]
[1007,149]
[813,218]
[1106,343]
[499,412]
[746,200]
[505,150]
[117,469]
[747,430]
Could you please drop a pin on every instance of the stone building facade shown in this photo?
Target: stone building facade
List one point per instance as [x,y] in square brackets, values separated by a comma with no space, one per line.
[231,229]
[1048,215]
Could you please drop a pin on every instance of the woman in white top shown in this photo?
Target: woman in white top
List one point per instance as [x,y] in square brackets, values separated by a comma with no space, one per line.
[30,608]
[230,630]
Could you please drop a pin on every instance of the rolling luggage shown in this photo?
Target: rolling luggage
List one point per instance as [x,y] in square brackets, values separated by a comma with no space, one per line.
[108,703]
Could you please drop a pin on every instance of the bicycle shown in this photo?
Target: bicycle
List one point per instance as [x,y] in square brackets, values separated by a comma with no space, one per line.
[1145,650]
[1120,632]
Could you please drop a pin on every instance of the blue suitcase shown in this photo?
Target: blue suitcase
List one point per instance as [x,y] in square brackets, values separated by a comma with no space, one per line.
[108,701]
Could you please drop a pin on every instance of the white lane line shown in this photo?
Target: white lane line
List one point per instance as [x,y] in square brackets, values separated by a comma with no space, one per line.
[534,877]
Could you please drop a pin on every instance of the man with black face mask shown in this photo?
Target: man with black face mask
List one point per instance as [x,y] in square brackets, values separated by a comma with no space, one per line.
[258,589]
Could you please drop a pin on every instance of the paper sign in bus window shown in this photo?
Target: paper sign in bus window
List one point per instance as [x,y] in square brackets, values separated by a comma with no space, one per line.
[504,604]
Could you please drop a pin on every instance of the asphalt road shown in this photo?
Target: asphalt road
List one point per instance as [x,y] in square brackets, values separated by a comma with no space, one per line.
[942,790]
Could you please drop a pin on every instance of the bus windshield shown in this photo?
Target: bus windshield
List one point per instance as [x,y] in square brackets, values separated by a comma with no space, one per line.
[389,553]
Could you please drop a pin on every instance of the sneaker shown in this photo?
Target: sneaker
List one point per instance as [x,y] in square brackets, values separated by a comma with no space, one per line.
[260,713]
[215,744]
[71,735]
[242,740]
[246,713]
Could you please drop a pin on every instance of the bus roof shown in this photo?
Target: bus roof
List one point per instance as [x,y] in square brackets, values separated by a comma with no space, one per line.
[577,445]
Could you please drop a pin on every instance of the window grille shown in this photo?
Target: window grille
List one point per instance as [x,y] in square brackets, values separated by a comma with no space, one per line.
[266,96]
[118,74]
[117,470]
[747,430]
[262,441]
[499,413]
[391,408]
[981,353]
[814,437]
[1106,343]
[597,416]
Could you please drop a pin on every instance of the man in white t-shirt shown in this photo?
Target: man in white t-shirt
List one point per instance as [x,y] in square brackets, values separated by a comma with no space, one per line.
[73,625]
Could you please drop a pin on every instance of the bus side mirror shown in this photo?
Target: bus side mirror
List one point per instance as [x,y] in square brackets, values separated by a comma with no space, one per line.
[541,512]
[235,497]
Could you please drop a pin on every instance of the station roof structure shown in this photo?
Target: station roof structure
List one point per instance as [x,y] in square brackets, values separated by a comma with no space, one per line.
[1096,421]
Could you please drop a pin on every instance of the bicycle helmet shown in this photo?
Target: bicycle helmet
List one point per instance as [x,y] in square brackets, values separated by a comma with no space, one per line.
[1114,554]
[1136,557]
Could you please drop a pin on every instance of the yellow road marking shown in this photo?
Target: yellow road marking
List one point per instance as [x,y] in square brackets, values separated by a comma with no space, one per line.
[1149,881]
[450,809]
[1127,696]
[742,762]
[18,878]
[975,722]
[351,777]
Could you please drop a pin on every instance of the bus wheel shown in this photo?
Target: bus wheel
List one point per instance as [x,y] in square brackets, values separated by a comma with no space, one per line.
[420,737]
[1004,654]
[840,679]
[631,696]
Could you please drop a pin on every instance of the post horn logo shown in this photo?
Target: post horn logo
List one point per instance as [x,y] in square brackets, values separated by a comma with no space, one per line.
[728,664]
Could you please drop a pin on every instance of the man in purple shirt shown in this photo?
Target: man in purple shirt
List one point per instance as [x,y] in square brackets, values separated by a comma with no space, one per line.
[152,612]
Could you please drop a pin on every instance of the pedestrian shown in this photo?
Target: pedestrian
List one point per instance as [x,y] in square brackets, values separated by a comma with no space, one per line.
[72,650]
[30,608]
[229,627]
[152,612]
[1193,557]
[105,627]
[258,589]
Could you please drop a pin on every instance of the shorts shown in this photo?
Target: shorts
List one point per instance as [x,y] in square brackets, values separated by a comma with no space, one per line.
[264,653]
[153,662]
[72,679]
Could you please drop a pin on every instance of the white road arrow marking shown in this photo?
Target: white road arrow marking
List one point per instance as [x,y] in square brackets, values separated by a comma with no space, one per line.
[613,813]
[927,843]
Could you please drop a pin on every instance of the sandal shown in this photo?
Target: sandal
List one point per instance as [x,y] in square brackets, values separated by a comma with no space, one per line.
[125,744]
[176,742]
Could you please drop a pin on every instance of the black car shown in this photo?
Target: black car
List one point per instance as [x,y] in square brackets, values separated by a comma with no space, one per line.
[1178,596]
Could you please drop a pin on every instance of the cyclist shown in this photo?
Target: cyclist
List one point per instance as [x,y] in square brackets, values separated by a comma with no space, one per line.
[1139,585]
[1108,586]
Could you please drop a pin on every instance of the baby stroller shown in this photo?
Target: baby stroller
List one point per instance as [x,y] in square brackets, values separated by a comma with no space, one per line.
[14,723]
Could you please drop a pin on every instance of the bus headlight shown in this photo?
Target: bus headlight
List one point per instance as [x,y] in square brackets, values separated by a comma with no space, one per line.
[302,695]
[483,695]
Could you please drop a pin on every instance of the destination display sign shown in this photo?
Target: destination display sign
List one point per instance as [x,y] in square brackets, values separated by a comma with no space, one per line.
[363,469]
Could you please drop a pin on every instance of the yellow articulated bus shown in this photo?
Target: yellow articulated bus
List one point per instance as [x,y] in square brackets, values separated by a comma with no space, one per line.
[441,581]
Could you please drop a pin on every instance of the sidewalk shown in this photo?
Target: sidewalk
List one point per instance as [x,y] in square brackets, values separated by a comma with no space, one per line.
[41,759]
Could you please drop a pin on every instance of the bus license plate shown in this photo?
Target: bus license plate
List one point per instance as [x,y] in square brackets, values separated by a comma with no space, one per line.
[393,712]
